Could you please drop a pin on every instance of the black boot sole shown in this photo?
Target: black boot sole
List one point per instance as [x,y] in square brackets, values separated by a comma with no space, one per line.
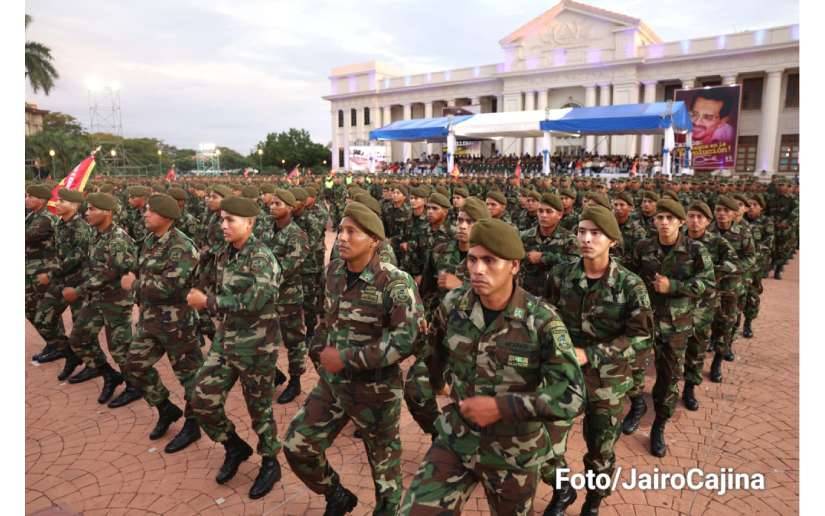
[86,379]
[174,447]
[124,399]
[255,494]
[68,370]
[224,478]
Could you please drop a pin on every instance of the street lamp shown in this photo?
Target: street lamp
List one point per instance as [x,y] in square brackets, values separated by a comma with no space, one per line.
[218,154]
[51,154]
[260,159]
[160,165]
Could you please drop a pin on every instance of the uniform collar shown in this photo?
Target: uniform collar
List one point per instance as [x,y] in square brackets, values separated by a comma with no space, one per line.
[578,276]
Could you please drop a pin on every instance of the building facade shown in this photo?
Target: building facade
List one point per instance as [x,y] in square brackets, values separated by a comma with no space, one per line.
[578,55]
[34,119]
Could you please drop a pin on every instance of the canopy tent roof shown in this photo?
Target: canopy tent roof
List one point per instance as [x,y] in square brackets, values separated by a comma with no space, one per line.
[513,124]
[651,118]
[418,129]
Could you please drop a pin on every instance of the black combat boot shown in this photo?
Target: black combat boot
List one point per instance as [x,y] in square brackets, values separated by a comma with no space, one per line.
[86,374]
[72,361]
[51,353]
[339,500]
[111,379]
[688,397]
[563,496]
[269,473]
[293,389]
[747,331]
[638,407]
[777,272]
[190,433]
[168,413]
[237,451]
[129,394]
[279,377]
[729,355]
[658,447]
[46,349]
[590,507]
[716,368]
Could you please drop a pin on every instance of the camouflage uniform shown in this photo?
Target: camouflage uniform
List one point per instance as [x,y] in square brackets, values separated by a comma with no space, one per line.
[763,233]
[132,222]
[396,220]
[290,245]
[525,360]
[167,325]
[732,290]
[311,268]
[373,323]
[415,235]
[608,319]
[784,209]
[689,268]
[105,304]
[190,226]
[245,346]
[632,233]
[559,247]
[40,255]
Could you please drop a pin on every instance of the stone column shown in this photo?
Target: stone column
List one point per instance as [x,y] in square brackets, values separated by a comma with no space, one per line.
[334,151]
[650,96]
[428,113]
[512,102]
[604,100]
[729,78]
[625,93]
[541,105]
[688,83]
[386,119]
[529,144]
[407,145]
[347,137]
[590,101]
[768,137]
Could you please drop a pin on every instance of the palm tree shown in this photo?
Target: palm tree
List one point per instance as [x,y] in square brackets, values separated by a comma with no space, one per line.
[39,70]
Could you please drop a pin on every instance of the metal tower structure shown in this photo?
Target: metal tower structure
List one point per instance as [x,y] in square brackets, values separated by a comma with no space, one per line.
[106,125]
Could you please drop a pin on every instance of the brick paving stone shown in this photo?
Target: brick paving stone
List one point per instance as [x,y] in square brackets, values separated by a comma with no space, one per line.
[81,456]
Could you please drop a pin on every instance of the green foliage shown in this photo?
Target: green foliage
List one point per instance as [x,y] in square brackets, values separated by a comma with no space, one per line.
[294,147]
[39,68]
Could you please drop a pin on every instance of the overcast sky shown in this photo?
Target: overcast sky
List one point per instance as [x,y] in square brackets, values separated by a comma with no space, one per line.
[231,71]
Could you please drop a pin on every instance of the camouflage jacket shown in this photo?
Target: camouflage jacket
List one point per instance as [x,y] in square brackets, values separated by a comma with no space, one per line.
[559,247]
[740,238]
[525,220]
[263,224]
[416,237]
[570,221]
[290,245]
[632,233]
[524,358]
[190,226]
[396,220]
[72,241]
[764,235]
[689,268]
[213,241]
[782,208]
[132,222]
[725,270]
[647,224]
[372,323]
[444,257]
[610,319]
[310,223]
[40,242]
[112,254]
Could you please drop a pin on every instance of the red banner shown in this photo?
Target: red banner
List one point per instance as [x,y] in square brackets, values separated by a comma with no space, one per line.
[170,175]
[76,180]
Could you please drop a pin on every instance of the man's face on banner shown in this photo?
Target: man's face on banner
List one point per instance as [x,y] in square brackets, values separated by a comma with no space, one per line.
[705,118]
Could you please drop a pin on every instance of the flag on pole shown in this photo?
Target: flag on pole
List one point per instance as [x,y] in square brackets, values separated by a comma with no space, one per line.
[456,171]
[170,174]
[296,172]
[246,172]
[517,173]
[76,180]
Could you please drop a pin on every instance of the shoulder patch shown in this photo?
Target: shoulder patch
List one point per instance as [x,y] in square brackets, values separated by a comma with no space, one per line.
[560,336]
[400,295]
[258,264]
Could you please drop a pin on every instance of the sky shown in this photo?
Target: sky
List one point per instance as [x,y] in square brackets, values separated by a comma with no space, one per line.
[231,71]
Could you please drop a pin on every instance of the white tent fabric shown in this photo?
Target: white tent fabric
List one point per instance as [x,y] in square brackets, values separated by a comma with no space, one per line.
[507,124]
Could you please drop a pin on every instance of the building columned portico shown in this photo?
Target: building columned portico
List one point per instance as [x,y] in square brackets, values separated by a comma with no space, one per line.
[576,54]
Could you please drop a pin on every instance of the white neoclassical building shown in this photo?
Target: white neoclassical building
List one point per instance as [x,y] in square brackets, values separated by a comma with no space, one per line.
[576,54]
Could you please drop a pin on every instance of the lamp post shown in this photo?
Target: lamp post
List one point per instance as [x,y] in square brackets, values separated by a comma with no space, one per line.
[260,160]
[51,154]
[160,165]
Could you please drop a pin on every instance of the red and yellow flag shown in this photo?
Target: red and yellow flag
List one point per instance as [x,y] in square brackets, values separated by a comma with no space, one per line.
[456,171]
[170,174]
[76,180]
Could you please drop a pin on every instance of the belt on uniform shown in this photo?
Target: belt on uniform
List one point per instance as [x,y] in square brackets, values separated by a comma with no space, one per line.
[371,375]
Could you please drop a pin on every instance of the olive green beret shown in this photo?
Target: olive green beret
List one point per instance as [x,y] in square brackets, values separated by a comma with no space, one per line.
[369,201]
[420,191]
[401,188]
[250,192]
[532,194]
[672,207]
[500,238]
[604,219]
[728,202]
[439,199]
[267,188]
[552,200]
[498,196]
[286,196]
[106,188]
[475,209]
[648,194]
[759,198]
[70,195]
[165,206]
[355,190]
[443,191]
[139,191]
[179,194]
[461,192]
[39,191]
[102,201]
[599,198]
[222,190]
[365,218]
[702,208]
[670,194]
[741,197]
[567,192]
[626,197]
[240,206]
[311,191]
[300,194]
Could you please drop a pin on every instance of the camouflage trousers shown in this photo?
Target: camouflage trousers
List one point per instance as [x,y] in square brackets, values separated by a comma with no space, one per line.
[294,334]
[505,459]
[375,408]
[670,365]
[48,318]
[313,287]
[607,388]
[252,361]
[784,246]
[205,325]
[419,396]
[723,328]
[154,338]
[697,344]
[752,297]
[115,318]
[638,370]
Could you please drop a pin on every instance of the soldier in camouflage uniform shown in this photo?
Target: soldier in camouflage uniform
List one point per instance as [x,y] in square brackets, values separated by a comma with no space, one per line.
[167,325]
[699,217]
[132,218]
[785,212]
[187,222]
[497,205]
[570,216]
[415,234]
[511,370]
[632,231]
[460,195]
[607,312]
[40,257]
[397,218]
[547,245]
[104,303]
[385,252]
[647,212]
[312,289]
[320,217]
[245,347]
[762,229]
[290,245]
[676,271]
[372,315]
[528,217]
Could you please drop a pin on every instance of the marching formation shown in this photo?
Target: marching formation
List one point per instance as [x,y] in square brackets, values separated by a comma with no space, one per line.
[526,302]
